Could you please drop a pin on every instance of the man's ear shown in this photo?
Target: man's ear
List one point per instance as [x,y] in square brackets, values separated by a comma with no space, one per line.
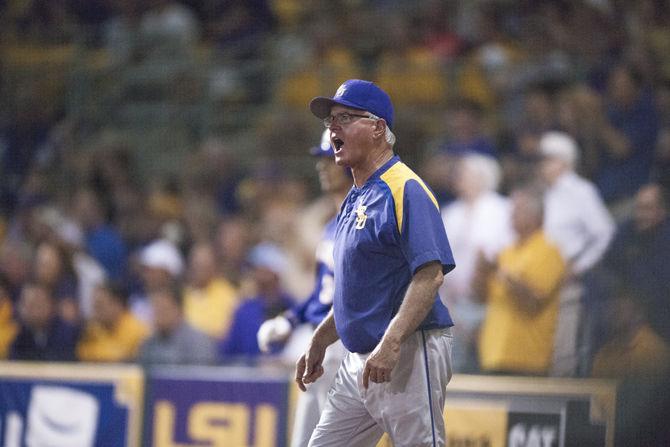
[380,129]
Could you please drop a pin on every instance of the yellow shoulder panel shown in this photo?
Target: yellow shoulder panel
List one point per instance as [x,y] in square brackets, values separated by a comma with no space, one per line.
[396,177]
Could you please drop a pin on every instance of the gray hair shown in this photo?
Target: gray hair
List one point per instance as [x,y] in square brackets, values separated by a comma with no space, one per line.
[389,136]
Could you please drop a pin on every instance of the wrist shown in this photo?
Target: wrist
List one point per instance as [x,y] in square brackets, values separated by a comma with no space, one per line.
[391,341]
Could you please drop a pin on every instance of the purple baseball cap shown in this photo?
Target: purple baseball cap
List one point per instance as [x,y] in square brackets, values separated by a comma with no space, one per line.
[358,94]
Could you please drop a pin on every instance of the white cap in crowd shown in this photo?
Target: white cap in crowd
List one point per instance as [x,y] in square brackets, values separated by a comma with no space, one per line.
[162,254]
[559,145]
[269,256]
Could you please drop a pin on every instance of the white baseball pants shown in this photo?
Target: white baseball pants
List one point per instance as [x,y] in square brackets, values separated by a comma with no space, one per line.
[409,407]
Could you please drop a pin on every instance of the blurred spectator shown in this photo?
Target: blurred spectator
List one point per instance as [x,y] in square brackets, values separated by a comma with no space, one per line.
[169,30]
[463,134]
[161,264]
[577,221]
[638,255]
[575,215]
[120,32]
[233,241]
[209,298]
[465,131]
[15,265]
[101,239]
[53,268]
[477,223]
[268,300]
[8,326]
[630,139]
[521,289]
[633,349]
[67,234]
[43,335]
[539,108]
[174,341]
[581,114]
[639,359]
[113,334]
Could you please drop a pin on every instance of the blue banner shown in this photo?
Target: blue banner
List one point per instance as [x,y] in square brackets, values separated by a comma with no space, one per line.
[217,407]
[70,405]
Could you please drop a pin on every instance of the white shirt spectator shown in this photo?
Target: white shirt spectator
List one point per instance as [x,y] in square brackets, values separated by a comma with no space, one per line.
[577,221]
[482,225]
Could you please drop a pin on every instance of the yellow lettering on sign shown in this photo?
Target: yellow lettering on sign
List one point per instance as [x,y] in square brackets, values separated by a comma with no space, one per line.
[164,425]
[220,425]
[266,426]
[216,424]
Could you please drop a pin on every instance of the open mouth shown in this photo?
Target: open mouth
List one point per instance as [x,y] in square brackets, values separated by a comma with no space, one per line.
[337,144]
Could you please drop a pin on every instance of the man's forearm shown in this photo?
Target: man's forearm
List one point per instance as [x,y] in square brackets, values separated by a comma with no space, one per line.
[326,333]
[419,299]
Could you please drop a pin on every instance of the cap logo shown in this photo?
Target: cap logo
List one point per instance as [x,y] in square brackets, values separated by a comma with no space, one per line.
[341,91]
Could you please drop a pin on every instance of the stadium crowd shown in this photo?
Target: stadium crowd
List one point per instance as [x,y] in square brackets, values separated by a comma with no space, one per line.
[542,126]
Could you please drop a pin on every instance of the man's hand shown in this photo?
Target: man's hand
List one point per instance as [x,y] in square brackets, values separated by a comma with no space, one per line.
[381,362]
[310,365]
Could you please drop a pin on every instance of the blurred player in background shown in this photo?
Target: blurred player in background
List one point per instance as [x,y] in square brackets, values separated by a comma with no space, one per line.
[391,253]
[335,182]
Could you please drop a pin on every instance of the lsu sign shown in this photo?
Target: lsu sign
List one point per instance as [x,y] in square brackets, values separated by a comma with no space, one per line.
[216,407]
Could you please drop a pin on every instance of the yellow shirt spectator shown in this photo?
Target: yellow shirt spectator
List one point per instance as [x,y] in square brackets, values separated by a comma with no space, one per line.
[113,334]
[211,308]
[645,354]
[118,343]
[515,339]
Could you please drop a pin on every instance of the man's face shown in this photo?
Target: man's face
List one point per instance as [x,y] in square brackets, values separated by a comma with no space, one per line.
[467,183]
[167,314]
[155,277]
[202,265]
[48,264]
[351,142]
[649,210]
[35,307]
[105,309]
[525,218]
[550,169]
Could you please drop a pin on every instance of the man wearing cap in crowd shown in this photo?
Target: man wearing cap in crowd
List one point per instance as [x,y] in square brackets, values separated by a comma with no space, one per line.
[578,222]
[391,253]
[335,182]
[161,264]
